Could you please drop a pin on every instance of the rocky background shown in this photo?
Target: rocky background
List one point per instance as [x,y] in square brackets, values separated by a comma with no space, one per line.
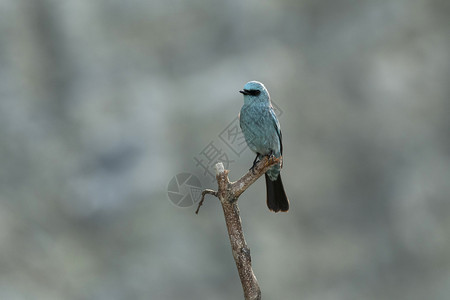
[103,102]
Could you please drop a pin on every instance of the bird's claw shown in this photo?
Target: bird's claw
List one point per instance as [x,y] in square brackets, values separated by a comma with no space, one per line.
[271,156]
[253,168]
[254,164]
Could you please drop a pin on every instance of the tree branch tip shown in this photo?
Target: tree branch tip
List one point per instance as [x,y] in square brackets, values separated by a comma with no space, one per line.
[219,168]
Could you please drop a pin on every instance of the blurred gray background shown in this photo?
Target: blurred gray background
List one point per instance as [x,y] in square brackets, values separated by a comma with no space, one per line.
[103,102]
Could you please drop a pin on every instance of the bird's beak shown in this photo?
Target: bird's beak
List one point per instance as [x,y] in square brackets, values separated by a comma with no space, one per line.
[245,92]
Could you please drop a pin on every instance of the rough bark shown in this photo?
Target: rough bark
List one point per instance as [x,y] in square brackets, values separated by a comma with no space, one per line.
[228,194]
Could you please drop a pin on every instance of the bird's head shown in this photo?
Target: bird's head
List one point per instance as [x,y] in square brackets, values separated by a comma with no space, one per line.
[255,91]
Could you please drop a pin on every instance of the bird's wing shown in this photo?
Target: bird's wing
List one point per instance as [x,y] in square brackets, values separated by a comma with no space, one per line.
[276,124]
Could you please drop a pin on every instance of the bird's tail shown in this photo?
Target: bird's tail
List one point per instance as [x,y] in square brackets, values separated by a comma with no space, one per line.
[276,197]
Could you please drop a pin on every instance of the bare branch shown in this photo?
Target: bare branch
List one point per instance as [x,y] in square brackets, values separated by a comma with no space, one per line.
[239,186]
[207,191]
[228,194]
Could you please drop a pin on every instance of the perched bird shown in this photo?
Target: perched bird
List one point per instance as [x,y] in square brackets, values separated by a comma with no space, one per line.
[262,133]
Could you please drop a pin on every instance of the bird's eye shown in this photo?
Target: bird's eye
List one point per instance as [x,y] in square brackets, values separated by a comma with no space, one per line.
[255,92]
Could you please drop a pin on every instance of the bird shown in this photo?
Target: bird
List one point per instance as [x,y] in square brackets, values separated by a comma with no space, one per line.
[262,133]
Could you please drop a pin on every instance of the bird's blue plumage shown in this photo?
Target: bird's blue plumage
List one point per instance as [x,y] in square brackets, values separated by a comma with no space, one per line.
[261,130]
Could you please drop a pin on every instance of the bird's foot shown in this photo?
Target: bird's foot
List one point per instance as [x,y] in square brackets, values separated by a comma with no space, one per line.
[271,156]
[254,164]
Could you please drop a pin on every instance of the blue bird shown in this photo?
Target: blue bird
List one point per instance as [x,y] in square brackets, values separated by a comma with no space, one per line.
[262,133]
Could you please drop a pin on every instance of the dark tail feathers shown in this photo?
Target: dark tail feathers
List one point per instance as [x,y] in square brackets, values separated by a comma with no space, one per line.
[276,197]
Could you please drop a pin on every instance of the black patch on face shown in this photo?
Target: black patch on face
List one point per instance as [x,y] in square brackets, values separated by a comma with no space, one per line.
[251,92]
